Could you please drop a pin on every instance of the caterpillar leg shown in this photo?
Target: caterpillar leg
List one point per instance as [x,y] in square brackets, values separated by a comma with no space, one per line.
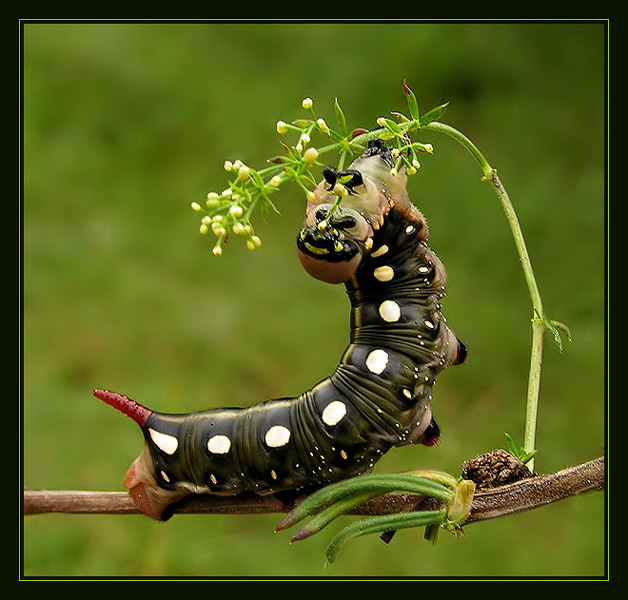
[462,353]
[153,500]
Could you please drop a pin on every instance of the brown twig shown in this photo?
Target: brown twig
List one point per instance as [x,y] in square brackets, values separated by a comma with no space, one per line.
[527,494]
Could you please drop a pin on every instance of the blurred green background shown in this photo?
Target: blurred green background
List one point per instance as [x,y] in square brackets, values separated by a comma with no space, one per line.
[125,124]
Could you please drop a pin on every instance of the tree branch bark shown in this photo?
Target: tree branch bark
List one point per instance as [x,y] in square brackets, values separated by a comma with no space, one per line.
[523,495]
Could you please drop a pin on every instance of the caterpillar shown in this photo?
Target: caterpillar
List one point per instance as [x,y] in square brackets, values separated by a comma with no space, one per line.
[375,242]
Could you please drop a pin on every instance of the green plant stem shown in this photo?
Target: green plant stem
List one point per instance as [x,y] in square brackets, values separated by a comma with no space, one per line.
[538,326]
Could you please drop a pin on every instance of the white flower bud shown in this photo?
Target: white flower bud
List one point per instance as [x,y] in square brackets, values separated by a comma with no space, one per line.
[340,190]
[195,206]
[236,210]
[281,127]
[243,173]
[275,181]
[212,200]
[307,103]
[310,155]
[253,243]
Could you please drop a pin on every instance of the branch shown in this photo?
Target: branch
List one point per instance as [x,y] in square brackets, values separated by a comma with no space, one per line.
[527,494]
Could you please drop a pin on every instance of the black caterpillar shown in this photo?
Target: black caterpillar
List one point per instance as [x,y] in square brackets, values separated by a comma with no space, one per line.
[378,396]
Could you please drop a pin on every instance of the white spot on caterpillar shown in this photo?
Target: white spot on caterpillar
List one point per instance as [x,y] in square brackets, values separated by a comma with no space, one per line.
[407,393]
[219,444]
[424,269]
[334,412]
[213,479]
[166,443]
[429,324]
[410,229]
[273,474]
[390,311]
[344,455]
[380,251]
[384,273]
[277,436]
[165,476]
[377,361]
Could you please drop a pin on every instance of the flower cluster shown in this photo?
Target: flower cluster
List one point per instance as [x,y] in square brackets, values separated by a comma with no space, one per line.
[229,212]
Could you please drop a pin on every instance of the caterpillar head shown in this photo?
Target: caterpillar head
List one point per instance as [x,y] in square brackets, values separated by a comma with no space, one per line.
[332,247]
[151,497]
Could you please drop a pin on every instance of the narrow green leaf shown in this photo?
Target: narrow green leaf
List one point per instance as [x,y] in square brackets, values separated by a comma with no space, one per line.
[267,204]
[357,132]
[278,160]
[257,179]
[328,514]
[433,115]
[382,523]
[335,136]
[520,453]
[413,105]
[367,483]
[512,448]
[527,457]
[555,328]
[401,118]
[340,116]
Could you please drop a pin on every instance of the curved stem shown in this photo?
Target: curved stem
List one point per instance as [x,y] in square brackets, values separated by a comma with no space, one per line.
[538,320]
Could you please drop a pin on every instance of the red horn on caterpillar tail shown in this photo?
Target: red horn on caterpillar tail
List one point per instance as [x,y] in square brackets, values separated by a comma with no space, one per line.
[140,414]
[148,496]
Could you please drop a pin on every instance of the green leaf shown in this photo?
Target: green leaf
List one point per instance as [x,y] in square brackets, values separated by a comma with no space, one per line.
[511,445]
[302,123]
[433,115]
[555,328]
[335,136]
[382,484]
[413,105]
[340,116]
[382,523]
[328,514]
[519,453]
[278,160]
